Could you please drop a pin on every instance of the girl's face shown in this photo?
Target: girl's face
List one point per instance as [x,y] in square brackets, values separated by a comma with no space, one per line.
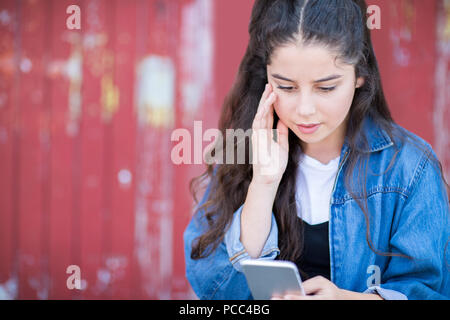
[312,88]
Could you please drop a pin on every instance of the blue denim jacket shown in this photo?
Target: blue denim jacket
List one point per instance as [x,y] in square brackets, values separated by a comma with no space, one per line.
[409,214]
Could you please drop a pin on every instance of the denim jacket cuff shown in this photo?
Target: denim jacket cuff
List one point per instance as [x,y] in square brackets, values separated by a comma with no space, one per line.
[235,248]
[386,294]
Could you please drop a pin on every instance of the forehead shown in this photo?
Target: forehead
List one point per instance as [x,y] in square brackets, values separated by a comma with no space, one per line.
[313,61]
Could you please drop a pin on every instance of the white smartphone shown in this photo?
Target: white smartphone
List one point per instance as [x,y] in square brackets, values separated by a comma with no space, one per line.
[266,278]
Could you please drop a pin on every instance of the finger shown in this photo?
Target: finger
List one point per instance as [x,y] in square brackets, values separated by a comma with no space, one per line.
[257,120]
[262,112]
[283,134]
[270,110]
[314,285]
[269,102]
[263,99]
[260,145]
[267,91]
[267,117]
[282,129]
[263,122]
[270,120]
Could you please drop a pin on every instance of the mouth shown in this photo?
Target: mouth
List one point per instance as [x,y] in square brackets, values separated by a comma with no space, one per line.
[308,128]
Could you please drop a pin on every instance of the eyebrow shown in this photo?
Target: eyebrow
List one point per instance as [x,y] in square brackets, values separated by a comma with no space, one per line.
[332,77]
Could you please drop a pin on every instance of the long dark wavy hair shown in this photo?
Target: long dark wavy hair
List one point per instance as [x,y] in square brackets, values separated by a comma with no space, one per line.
[339,25]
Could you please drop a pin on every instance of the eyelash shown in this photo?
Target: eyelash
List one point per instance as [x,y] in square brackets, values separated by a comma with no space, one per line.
[323,89]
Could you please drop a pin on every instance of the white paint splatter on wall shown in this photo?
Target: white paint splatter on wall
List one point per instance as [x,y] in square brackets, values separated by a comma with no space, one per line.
[125,178]
[401,35]
[154,212]
[5,18]
[9,289]
[72,70]
[155,104]
[196,61]
[25,65]
[164,208]
[401,55]
[156,92]
[113,269]
[142,238]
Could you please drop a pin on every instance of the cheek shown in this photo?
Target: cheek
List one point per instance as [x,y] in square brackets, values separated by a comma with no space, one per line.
[281,108]
[339,106]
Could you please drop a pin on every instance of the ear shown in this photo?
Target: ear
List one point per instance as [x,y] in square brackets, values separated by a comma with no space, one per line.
[360,82]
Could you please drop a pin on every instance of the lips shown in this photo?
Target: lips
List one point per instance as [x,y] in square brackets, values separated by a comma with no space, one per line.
[309,125]
[308,128]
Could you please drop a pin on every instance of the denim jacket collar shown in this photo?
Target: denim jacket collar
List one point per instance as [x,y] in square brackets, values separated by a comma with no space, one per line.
[377,138]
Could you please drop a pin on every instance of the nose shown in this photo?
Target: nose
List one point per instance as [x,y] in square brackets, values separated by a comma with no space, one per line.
[305,105]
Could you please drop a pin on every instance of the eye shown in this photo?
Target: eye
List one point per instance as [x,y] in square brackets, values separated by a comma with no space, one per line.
[327,89]
[286,88]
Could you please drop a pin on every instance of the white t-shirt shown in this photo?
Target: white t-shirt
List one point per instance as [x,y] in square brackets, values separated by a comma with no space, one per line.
[315,182]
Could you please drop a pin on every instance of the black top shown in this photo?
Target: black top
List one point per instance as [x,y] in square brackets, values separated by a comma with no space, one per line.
[315,258]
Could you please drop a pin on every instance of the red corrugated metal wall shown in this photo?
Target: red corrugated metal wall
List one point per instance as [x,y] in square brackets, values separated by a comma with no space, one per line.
[86,118]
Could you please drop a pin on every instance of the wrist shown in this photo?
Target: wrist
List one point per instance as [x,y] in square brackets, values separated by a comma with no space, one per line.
[265,187]
[265,192]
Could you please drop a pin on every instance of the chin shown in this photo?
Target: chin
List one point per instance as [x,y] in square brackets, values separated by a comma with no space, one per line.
[310,139]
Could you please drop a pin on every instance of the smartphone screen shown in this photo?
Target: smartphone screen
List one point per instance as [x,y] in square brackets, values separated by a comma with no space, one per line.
[266,278]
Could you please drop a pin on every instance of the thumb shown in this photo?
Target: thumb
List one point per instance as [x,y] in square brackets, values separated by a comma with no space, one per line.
[283,134]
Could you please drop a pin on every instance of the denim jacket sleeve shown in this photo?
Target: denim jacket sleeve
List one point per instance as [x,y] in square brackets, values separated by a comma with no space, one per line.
[235,248]
[215,277]
[421,229]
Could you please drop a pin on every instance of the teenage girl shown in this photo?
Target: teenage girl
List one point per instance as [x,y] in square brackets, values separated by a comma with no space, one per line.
[356,201]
